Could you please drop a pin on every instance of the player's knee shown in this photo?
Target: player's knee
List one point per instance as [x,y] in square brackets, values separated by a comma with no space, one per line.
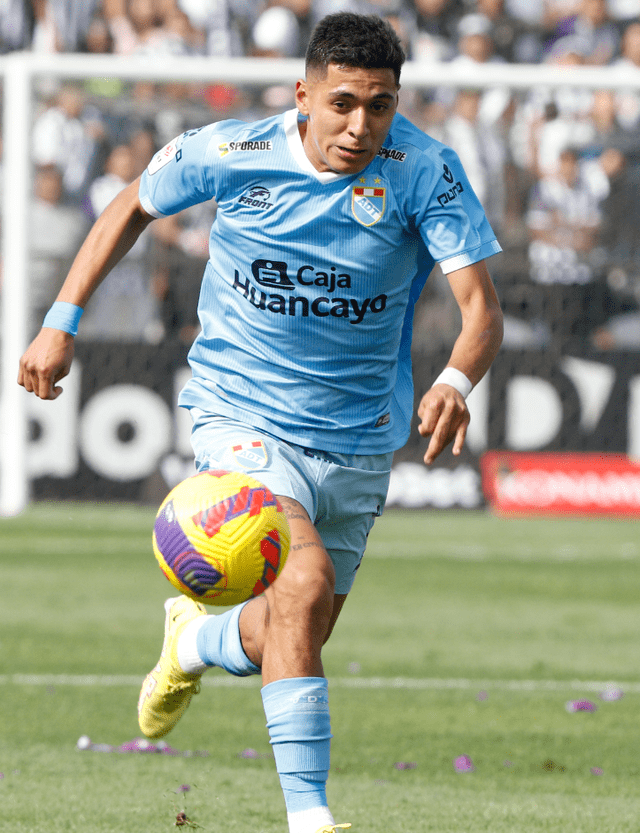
[301,595]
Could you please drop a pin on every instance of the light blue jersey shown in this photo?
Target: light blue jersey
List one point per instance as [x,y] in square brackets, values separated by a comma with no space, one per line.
[307,300]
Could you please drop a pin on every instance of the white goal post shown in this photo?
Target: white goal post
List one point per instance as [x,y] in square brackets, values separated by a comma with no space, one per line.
[18,72]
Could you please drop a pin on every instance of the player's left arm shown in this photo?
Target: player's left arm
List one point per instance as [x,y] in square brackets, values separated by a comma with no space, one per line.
[443,412]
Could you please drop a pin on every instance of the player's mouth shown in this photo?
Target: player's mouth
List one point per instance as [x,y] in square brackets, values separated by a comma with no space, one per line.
[352,153]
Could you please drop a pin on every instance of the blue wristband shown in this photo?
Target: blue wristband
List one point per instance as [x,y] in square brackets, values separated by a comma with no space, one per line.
[63,316]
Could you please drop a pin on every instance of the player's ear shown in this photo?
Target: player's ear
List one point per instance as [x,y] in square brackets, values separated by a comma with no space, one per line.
[302,95]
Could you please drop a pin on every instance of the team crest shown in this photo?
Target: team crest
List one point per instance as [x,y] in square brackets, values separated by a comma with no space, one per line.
[368,204]
[252,455]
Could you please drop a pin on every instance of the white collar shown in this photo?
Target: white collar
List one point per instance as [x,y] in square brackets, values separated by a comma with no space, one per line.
[298,152]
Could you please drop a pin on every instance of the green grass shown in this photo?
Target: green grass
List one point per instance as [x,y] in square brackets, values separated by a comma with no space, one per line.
[463,635]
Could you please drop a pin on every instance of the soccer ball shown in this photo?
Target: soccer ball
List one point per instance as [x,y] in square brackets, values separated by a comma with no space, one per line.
[221,537]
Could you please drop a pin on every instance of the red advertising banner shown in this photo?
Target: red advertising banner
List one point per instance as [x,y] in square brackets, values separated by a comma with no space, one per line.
[569,483]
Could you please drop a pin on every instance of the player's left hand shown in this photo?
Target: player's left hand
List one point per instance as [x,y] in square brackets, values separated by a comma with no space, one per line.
[444,417]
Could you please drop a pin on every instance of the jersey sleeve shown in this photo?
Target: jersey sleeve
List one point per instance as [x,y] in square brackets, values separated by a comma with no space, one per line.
[448,214]
[180,175]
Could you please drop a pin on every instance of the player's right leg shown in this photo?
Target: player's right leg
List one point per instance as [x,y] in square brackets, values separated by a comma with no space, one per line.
[193,642]
[167,689]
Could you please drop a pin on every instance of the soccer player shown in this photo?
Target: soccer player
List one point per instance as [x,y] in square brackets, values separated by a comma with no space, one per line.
[330,218]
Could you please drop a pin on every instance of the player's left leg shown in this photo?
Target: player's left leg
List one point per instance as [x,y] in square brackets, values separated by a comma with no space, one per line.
[352,495]
[252,625]
[295,692]
[289,643]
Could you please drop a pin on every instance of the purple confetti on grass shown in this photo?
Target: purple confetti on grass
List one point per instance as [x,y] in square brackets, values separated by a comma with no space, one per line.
[139,745]
[596,770]
[581,706]
[463,763]
[253,754]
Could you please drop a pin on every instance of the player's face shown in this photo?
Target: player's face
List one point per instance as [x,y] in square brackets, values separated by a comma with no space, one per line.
[349,113]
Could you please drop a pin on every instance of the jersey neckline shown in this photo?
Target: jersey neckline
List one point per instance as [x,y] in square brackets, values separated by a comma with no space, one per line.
[296,147]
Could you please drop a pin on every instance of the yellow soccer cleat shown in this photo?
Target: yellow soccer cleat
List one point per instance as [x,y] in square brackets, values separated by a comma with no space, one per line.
[167,690]
[331,828]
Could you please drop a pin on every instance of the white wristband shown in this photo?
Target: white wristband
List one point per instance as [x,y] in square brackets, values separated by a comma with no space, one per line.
[455,378]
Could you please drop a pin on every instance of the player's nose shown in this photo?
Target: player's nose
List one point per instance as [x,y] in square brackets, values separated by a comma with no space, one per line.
[358,123]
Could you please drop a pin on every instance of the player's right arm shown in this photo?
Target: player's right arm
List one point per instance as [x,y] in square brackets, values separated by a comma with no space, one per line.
[49,356]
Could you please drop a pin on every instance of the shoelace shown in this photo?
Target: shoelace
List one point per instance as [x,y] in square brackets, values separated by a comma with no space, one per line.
[182,685]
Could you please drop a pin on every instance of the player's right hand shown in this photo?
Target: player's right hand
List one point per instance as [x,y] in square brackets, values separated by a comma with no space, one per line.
[46,361]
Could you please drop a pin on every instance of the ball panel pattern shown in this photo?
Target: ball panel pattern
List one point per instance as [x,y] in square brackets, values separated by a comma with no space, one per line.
[271,551]
[180,556]
[221,537]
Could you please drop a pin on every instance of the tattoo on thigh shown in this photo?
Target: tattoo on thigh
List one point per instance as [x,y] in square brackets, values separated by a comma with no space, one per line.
[304,545]
[292,509]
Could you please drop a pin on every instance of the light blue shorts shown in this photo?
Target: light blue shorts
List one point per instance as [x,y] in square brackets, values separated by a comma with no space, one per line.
[342,493]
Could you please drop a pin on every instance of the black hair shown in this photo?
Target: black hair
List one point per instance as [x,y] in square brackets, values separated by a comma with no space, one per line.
[355,40]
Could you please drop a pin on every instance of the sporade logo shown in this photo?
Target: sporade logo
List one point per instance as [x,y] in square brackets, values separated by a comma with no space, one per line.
[257,197]
[392,153]
[247,146]
[273,274]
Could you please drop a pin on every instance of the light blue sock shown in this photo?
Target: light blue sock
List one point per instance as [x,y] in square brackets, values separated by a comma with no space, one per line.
[297,712]
[218,643]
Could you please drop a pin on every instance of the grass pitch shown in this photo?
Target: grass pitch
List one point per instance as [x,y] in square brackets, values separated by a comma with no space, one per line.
[464,638]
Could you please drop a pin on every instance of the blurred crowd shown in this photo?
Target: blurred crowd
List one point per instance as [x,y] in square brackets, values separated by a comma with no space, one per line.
[557,169]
